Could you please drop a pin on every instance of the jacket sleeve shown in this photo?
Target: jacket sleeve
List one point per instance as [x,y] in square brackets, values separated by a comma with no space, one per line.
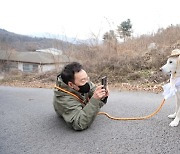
[77,116]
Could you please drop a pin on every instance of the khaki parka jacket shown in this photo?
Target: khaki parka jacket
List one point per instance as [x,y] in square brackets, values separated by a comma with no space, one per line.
[77,114]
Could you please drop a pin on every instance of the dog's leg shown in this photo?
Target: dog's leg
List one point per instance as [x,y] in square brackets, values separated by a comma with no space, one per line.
[172,116]
[175,122]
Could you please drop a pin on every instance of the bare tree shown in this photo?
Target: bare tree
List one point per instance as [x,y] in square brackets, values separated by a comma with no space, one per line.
[6,53]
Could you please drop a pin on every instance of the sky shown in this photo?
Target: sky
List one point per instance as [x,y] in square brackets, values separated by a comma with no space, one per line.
[85,19]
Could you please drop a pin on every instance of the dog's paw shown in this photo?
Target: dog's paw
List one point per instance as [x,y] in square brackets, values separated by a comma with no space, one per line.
[172,116]
[174,123]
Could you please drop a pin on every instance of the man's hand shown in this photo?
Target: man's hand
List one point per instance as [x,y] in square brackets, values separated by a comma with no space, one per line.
[100,92]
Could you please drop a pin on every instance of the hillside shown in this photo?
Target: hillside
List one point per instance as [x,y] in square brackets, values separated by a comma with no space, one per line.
[12,41]
[133,64]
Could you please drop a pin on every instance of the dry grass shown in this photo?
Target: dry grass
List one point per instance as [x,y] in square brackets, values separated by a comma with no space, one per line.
[126,63]
[132,61]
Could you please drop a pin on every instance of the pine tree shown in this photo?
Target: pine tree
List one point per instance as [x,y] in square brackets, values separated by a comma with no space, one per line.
[125,29]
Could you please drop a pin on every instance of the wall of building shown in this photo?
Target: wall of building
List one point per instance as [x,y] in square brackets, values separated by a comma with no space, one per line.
[30,67]
[20,66]
[45,68]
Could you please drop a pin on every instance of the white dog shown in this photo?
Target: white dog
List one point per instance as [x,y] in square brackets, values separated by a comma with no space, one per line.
[172,67]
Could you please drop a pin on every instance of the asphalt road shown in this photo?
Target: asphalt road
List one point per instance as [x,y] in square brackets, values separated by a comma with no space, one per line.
[28,124]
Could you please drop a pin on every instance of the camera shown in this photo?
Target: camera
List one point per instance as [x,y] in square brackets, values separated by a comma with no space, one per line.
[104,81]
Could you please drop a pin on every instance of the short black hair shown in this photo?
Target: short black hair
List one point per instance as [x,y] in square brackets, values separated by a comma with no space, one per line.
[67,74]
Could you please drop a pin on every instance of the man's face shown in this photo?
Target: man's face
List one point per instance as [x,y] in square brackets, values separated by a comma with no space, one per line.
[80,78]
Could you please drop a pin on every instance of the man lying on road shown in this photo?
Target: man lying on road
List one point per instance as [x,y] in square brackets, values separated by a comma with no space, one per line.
[76,99]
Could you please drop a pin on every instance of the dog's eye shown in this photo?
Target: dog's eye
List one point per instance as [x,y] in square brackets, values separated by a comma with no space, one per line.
[170,62]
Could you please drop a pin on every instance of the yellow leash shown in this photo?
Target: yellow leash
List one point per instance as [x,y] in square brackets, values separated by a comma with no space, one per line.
[116,118]
[70,93]
[135,118]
